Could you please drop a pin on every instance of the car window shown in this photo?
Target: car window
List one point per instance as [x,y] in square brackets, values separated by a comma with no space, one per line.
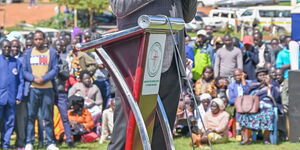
[247,13]
[283,13]
[215,14]
[198,18]
[224,15]
[267,13]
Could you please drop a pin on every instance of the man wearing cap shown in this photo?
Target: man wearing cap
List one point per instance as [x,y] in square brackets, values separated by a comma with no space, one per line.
[199,54]
[250,57]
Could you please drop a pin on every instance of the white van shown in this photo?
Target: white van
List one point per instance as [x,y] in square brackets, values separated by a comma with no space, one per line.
[267,15]
[221,17]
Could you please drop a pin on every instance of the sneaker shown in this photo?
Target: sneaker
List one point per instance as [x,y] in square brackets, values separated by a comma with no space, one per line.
[29,147]
[52,147]
[71,144]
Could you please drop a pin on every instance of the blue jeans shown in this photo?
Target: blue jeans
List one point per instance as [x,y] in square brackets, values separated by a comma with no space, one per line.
[7,115]
[104,86]
[43,98]
[62,104]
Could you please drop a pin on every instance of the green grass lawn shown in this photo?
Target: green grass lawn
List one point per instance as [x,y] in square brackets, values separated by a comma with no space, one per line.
[182,143]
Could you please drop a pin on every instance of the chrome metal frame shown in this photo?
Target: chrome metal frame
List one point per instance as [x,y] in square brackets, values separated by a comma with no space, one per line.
[165,124]
[132,103]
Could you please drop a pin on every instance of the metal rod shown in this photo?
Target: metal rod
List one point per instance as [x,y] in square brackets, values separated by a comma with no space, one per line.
[127,96]
[163,118]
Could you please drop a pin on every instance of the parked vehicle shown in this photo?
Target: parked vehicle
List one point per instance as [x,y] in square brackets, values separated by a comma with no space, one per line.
[196,23]
[205,3]
[266,16]
[235,3]
[220,18]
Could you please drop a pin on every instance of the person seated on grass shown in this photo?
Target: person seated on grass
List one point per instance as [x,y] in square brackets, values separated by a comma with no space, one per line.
[80,118]
[203,107]
[216,125]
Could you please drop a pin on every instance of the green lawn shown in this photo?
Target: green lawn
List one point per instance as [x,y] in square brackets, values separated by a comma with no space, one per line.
[182,143]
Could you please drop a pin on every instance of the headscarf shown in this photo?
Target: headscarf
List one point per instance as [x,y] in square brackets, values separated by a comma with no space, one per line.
[219,102]
[76,31]
[205,96]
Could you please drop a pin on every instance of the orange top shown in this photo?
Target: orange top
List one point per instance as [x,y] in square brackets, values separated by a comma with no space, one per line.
[85,118]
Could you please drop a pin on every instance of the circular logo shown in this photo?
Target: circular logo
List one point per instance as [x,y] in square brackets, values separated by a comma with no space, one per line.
[154,59]
[15,71]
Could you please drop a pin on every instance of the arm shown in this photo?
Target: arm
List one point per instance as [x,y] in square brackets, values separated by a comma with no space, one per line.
[64,71]
[189,8]
[21,82]
[231,94]
[50,75]
[26,61]
[217,64]
[72,91]
[240,59]
[122,8]
[99,99]
[88,122]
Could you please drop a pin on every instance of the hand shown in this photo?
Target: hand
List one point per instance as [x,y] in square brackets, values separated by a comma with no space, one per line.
[18,102]
[268,81]
[38,80]
[101,66]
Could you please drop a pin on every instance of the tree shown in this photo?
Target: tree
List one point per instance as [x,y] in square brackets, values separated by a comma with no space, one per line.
[91,5]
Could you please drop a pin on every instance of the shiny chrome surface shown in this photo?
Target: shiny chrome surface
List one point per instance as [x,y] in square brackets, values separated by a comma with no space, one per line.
[165,125]
[107,38]
[124,89]
[160,23]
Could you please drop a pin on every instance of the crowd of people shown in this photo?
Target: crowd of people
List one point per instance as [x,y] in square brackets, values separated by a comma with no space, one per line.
[53,91]
[68,95]
[224,69]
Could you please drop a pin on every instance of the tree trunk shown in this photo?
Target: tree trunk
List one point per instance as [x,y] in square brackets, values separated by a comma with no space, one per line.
[75,18]
[91,14]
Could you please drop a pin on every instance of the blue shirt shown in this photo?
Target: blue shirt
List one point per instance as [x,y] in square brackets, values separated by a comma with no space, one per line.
[11,80]
[283,58]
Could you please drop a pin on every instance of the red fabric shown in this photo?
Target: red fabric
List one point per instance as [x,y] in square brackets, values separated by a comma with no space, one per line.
[89,137]
[248,40]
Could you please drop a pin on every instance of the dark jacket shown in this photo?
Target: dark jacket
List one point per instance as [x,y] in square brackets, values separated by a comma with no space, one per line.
[250,60]
[62,76]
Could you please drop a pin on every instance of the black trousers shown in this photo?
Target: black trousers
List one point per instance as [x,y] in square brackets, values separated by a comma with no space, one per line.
[169,92]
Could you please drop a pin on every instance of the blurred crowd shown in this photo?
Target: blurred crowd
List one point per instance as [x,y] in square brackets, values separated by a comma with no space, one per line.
[223,69]
[53,92]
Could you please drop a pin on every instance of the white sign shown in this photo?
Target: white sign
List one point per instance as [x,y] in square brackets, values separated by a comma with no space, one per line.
[154,60]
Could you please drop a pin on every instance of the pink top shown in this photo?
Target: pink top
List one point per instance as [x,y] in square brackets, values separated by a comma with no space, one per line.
[218,122]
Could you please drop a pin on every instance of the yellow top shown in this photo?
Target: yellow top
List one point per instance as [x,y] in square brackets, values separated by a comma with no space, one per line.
[39,62]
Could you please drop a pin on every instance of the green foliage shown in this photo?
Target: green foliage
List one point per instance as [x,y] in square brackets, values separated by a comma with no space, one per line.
[94,5]
[57,22]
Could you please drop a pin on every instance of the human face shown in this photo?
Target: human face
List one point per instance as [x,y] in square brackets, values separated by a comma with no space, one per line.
[6,48]
[279,75]
[28,43]
[86,80]
[209,30]
[205,103]
[273,73]
[228,42]
[222,84]
[39,40]
[58,46]
[73,45]
[238,75]
[15,48]
[68,39]
[214,108]
[208,74]
[274,44]
[262,76]
[87,37]
[257,39]
[200,40]
[287,41]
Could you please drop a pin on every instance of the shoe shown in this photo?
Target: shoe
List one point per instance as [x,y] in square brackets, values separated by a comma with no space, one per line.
[29,147]
[245,143]
[267,143]
[41,145]
[71,144]
[52,147]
